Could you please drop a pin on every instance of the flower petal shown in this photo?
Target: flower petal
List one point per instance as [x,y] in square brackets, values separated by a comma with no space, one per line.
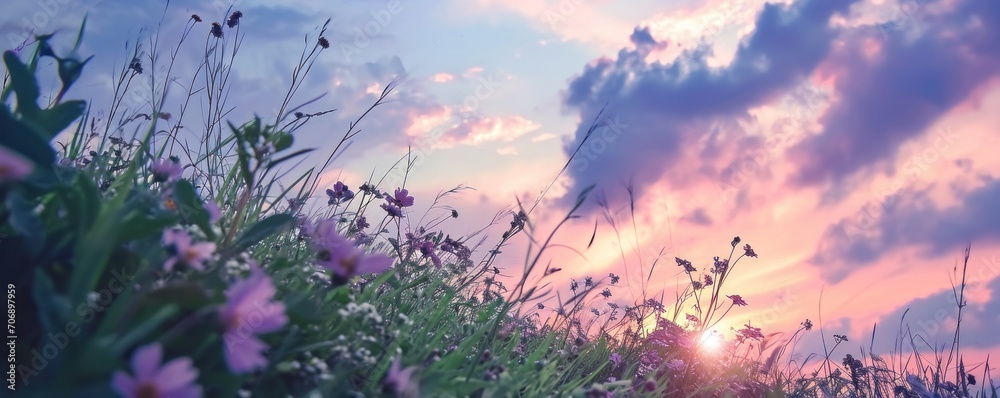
[145,361]
[124,384]
[176,374]
[244,354]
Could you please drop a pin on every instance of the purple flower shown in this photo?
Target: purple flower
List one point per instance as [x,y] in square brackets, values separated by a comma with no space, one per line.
[184,251]
[175,379]
[427,251]
[749,332]
[615,359]
[400,381]
[737,300]
[339,194]
[401,198]
[13,166]
[248,312]
[393,210]
[342,256]
[214,214]
[165,170]
[361,223]
[748,251]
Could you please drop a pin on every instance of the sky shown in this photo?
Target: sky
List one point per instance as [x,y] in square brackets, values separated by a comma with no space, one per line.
[848,141]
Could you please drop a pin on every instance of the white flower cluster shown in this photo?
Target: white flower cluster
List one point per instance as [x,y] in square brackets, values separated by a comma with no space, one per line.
[366,311]
[237,267]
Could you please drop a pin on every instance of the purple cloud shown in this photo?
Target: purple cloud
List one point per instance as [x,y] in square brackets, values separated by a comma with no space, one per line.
[670,106]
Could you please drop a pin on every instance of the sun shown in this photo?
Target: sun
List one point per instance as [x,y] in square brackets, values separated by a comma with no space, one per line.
[711,342]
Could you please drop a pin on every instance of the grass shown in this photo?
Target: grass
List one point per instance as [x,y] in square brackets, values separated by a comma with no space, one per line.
[122,230]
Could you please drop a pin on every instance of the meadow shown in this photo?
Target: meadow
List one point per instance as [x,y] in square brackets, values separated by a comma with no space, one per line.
[143,261]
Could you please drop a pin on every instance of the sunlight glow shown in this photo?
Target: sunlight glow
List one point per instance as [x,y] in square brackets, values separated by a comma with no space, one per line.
[711,342]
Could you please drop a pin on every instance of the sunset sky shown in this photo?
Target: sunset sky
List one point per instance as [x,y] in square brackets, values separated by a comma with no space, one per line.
[852,143]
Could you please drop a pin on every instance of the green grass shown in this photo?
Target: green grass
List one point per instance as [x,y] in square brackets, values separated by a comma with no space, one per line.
[81,238]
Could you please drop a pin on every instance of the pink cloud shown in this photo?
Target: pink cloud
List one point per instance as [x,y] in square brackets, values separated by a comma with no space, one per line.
[442,77]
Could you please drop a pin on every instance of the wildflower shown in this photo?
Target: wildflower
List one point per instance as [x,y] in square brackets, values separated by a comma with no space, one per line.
[737,300]
[541,306]
[151,380]
[839,338]
[588,281]
[166,170]
[970,379]
[361,223]
[614,278]
[676,365]
[339,194]
[184,251]
[749,332]
[697,285]
[708,280]
[427,251]
[196,18]
[573,285]
[339,255]
[392,210]
[248,312]
[169,204]
[136,65]
[234,19]
[736,241]
[323,42]
[749,251]
[720,266]
[400,381]
[401,198]
[214,214]
[688,267]
[606,293]
[808,325]
[615,359]
[216,30]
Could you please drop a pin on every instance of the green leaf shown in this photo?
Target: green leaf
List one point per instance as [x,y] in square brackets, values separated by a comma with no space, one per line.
[54,120]
[190,206]
[282,141]
[24,84]
[263,229]
[24,140]
[25,222]
[138,226]
[243,157]
[139,333]
[185,294]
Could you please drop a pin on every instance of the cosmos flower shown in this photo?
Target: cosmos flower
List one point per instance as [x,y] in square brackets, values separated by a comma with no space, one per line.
[339,194]
[166,170]
[400,381]
[401,198]
[184,251]
[342,256]
[13,166]
[175,379]
[737,300]
[247,313]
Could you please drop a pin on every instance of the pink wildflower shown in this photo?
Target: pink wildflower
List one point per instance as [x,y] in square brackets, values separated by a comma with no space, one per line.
[183,251]
[13,166]
[248,312]
[175,379]
[341,256]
